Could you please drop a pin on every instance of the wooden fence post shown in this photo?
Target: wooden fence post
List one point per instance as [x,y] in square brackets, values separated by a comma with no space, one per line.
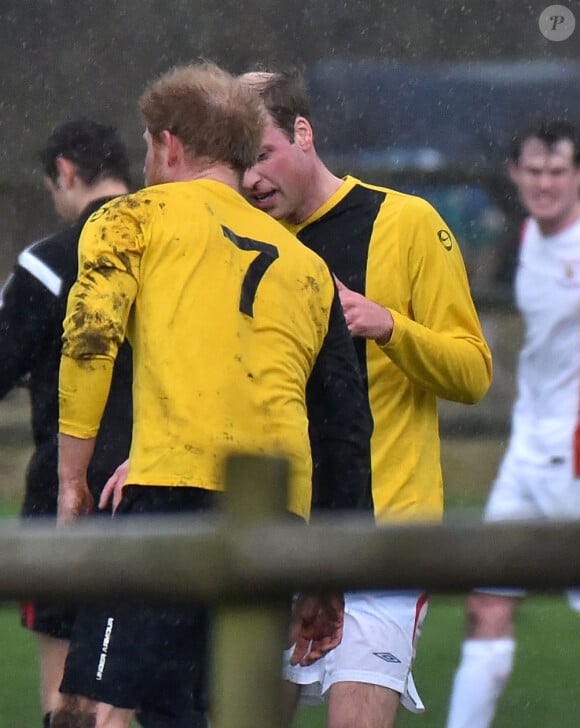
[247,639]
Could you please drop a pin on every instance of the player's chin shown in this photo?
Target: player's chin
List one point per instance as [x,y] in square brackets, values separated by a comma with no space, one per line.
[277,211]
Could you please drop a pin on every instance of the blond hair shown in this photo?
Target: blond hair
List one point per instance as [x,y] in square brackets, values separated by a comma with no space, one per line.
[213,114]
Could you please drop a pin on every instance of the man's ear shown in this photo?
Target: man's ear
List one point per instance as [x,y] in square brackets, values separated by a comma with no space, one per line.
[303,134]
[173,146]
[66,172]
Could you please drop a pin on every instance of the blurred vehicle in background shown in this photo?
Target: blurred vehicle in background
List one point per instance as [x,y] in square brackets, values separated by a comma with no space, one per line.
[443,130]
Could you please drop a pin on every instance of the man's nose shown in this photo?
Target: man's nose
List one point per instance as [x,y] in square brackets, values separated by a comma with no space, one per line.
[250,179]
[545,179]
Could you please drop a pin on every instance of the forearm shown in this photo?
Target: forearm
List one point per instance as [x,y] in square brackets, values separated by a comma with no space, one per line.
[454,365]
[74,456]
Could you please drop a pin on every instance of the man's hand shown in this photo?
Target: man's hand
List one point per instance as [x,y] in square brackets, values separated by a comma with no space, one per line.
[74,499]
[114,487]
[316,626]
[363,317]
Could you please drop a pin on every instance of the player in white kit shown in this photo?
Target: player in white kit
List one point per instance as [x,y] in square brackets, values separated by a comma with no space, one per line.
[540,473]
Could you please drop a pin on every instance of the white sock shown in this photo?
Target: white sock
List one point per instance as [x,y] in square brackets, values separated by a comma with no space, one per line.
[482,674]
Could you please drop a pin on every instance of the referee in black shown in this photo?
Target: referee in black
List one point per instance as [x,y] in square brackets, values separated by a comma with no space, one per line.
[84,164]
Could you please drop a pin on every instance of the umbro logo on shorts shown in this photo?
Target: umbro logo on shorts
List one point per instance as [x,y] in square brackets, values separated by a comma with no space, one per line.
[386,656]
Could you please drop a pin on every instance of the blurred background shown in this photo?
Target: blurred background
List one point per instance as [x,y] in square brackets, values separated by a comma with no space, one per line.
[412,94]
[418,95]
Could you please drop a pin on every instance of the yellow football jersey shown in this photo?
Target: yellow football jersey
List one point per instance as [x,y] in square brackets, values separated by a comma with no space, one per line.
[396,250]
[226,312]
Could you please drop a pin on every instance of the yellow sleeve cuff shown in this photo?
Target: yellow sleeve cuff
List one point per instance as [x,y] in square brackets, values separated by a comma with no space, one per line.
[397,333]
[83,391]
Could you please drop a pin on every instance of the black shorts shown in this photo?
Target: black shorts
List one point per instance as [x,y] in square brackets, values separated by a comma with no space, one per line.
[191,720]
[53,620]
[151,659]
[144,657]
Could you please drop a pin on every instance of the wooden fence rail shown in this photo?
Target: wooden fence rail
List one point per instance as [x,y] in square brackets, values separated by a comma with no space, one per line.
[210,560]
[247,560]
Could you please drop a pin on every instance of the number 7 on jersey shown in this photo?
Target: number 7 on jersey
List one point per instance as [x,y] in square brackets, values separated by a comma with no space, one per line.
[256,270]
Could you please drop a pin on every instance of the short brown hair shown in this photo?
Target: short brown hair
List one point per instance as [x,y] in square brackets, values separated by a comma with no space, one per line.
[95,149]
[284,95]
[550,132]
[209,111]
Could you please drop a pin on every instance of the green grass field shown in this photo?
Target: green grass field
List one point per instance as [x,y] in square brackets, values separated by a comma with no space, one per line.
[545,688]
[543,693]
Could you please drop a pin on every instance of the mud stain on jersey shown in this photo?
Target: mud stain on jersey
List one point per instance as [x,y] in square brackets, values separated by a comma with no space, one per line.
[93,333]
[312,284]
[194,449]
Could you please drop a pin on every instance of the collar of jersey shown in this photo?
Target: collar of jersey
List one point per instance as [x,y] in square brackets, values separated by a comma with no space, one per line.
[347,185]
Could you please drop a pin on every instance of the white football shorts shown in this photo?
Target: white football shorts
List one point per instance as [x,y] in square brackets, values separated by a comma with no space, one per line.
[525,491]
[378,647]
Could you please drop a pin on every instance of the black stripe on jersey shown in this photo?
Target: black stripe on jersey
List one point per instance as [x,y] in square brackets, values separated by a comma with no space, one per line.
[342,238]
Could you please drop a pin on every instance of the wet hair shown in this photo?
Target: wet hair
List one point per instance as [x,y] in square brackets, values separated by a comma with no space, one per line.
[212,113]
[284,94]
[550,133]
[95,150]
